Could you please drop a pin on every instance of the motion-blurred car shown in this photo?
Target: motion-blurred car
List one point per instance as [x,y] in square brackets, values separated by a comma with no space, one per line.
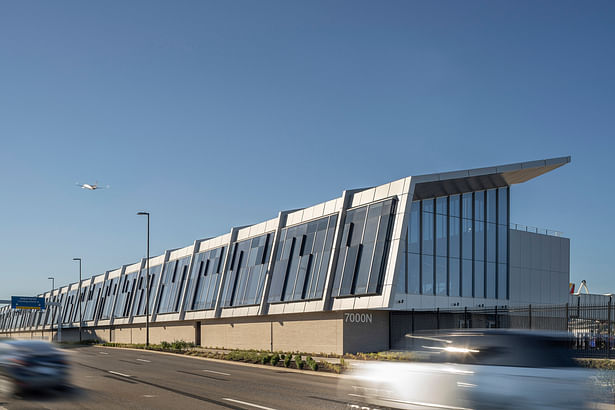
[474,369]
[31,365]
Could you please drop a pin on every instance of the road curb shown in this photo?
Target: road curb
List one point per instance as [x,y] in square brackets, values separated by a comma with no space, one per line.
[259,366]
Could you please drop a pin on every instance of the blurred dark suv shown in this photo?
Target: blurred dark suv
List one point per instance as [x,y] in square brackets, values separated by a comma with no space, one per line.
[31,365]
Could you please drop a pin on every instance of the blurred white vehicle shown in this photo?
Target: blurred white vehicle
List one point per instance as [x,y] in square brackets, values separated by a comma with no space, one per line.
[489,369]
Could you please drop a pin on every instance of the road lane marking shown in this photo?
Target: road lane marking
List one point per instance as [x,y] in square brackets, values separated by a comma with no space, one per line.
[119,374]
[215,372]
[143,360]
[149,395]
[245,403]
[103,352]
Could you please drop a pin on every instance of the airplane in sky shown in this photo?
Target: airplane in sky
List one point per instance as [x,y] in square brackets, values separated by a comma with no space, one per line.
[91,187]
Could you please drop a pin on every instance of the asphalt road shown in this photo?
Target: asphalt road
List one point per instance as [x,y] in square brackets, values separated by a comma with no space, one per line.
[108,378]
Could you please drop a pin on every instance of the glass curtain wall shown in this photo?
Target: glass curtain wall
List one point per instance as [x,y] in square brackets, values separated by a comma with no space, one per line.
[246,274]
[363,251]
[138,308]
[302,259]
[171,285]
[205,279]
[457,245]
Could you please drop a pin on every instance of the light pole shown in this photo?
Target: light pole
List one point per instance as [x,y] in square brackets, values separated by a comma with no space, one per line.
[146,284]
[79,298]
[53,286]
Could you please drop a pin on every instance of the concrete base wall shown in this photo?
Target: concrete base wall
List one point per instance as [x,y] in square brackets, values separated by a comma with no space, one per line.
[321,332]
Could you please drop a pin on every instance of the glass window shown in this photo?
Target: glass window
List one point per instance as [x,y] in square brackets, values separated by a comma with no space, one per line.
[427,226]
[441,276]
[246,273]
[454,239]
[414,227]
[502,243]
[454,284]
[414,273]
[467,247]
[427,275]
[455,205]
[491,205]
[467,280]
[479,240]
[479,205]
[467,208]
[479,279]
[490,284]
[442,205]
[491,242]
[503,206]
[441,235]
[359,258]
[502,281]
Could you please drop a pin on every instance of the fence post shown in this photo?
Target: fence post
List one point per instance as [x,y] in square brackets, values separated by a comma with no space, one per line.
[608,342]
[567,320]
[496,317]
[438,318]
[465,317]
[530,316]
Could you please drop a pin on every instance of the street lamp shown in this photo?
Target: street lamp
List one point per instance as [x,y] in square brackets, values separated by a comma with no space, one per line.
[53,286]
[146,284]
[79,298]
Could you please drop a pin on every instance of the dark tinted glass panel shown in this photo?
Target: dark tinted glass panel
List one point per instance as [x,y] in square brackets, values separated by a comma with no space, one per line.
[441,235]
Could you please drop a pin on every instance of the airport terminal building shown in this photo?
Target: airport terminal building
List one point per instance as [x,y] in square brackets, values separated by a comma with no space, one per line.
[332,277]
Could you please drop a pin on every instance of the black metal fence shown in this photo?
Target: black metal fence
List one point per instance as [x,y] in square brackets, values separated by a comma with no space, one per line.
[590,326]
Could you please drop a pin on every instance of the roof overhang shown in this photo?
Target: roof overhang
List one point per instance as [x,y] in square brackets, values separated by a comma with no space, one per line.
[457,182]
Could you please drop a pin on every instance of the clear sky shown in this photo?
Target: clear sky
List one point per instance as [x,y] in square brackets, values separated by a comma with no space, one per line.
[219,114]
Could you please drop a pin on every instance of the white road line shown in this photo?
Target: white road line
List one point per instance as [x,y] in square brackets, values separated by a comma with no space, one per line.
[103,352]
[213,371]
[245,403]
[143,360]
[119,374]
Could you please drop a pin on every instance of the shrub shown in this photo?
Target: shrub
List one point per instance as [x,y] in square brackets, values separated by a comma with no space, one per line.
[165,345]
[265,358]
[287,360]
[311,363]
[299,362]
[275,359]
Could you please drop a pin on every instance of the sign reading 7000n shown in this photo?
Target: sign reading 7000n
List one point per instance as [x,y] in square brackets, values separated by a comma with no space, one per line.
[27,302]
[357,317]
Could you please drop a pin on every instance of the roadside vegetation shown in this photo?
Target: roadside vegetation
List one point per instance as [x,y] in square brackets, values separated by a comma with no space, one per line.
[290,360]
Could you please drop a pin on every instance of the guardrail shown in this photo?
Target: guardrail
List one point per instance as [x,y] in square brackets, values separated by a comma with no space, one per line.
[533,229]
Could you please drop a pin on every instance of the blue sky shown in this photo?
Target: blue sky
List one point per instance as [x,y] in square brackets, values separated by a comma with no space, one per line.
[219,114]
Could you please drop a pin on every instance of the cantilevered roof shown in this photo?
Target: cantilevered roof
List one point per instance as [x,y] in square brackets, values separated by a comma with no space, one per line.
[449,183]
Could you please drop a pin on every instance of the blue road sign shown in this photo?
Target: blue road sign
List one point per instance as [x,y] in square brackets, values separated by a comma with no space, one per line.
[27,302]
